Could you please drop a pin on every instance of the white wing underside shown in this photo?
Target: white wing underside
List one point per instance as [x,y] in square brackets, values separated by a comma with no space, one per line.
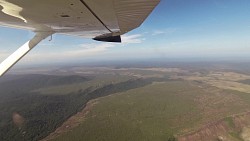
[85,18]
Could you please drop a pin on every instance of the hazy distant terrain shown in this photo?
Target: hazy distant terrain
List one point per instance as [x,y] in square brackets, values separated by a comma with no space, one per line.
[168,102]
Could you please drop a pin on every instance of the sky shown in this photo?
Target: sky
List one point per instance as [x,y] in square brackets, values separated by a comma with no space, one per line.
[177,29]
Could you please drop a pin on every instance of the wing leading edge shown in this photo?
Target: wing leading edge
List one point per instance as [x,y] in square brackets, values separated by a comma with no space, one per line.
[102,20]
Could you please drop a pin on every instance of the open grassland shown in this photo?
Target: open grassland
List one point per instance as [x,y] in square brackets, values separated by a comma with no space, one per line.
[157,112]
[148,113]
[221,79]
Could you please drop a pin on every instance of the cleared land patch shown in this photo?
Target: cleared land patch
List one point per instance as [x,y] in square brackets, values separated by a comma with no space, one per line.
[223,80]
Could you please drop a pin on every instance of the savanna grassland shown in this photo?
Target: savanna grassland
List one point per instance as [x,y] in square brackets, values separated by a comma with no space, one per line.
[126,103]
[156,112]
[177,109]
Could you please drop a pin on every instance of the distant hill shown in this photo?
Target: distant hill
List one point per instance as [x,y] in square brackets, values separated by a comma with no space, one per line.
[25,83]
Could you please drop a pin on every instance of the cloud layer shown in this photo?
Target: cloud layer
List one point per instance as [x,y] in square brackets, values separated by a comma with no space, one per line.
[95,49]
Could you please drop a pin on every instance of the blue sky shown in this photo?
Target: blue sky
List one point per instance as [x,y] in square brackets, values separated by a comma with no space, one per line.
[177,29]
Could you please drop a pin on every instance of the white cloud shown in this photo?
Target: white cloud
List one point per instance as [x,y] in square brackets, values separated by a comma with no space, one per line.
[164,31]
[132,39]
[80,51]
[157,32]
[90,49]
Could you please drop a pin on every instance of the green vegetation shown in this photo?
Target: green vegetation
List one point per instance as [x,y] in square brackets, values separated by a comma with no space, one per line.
[233,133]
[172,138]
[246,81]
[236,135]
[98,81]
[230,122]
[145,105]
[159,111]
[44,113]
[154,112]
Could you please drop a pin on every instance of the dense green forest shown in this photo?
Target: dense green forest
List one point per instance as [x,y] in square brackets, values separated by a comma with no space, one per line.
[42,114]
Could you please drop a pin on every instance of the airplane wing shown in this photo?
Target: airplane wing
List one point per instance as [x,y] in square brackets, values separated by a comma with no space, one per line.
[102,20]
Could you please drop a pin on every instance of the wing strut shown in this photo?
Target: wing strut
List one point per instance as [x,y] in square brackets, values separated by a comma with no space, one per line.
[22,51]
